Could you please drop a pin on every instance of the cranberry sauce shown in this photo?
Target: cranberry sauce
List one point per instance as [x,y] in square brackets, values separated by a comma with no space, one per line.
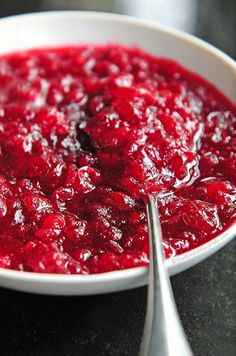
[83,131]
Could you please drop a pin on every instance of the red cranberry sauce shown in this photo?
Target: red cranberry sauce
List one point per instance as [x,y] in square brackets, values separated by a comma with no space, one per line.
[83,132]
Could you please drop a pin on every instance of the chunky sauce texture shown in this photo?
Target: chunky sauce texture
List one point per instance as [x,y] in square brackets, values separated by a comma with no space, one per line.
[84,131]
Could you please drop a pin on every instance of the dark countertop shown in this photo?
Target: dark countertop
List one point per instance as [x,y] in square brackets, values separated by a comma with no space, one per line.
[111,325]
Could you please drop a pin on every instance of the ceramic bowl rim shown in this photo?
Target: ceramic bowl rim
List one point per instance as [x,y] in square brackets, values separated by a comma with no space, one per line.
[175,263]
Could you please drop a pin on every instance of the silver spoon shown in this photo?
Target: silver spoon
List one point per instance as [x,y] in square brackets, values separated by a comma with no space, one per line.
[163,333]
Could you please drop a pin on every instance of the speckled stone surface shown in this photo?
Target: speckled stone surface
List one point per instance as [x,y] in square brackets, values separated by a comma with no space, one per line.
[111,325]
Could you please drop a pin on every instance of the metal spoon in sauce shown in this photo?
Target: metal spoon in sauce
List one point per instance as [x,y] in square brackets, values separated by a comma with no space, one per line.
[163,333]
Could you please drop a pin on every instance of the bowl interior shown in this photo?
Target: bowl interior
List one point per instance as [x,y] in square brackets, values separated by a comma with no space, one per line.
[57,28]
[63,28]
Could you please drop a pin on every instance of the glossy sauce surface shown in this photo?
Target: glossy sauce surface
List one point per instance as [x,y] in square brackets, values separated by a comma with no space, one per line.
[83,132]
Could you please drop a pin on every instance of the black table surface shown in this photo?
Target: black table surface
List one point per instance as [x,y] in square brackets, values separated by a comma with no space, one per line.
[111,324]
[34,325]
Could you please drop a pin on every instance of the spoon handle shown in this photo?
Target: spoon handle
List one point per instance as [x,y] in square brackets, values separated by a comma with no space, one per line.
[163,331]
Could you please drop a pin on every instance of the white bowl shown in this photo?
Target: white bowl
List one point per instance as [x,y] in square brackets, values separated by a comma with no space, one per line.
[71,27]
